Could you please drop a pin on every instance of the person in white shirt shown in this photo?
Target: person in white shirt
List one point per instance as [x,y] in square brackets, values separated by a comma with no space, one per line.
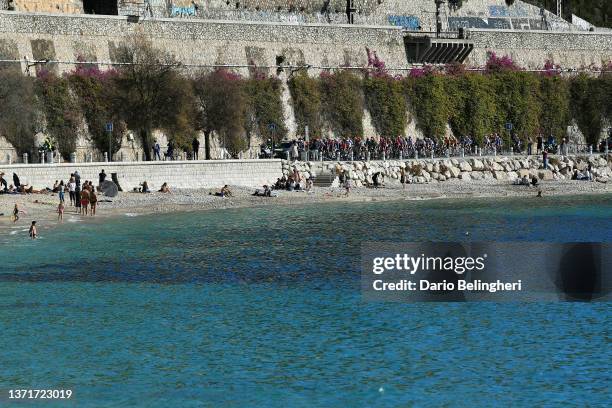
[72,189]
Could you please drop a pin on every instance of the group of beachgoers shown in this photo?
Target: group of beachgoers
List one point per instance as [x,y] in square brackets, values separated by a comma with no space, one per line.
[144,188]
[32,232]
[293,182]
[17,187]
[83,196]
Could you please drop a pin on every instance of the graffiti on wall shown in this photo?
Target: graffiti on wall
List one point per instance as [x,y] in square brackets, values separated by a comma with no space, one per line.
[455,23]
[177,11]
[503,11]
[408,22]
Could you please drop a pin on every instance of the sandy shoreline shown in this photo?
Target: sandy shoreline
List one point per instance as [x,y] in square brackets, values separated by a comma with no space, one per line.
[42,207]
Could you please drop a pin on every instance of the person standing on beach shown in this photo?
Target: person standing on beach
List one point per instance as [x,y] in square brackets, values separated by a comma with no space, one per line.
[16,212]
[61,195]
[77,190]
[93,200]
[84,202]
[72,189]
[33,232]
[101,177]
[60,211]
[545,158]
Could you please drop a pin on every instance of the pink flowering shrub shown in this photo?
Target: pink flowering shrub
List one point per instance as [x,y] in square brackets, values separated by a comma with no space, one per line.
[500,64]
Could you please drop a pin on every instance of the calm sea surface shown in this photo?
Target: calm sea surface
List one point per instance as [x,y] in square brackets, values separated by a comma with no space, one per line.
[261,307]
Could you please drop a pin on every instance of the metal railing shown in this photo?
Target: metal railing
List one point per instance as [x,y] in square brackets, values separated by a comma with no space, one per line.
[357,154]
[86,155]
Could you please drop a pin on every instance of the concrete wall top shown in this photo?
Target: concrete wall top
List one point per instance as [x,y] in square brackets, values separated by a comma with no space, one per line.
[170,163]
[112,26]
[178,174]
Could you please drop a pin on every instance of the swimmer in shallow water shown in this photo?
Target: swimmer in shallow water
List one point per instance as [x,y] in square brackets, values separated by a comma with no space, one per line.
[33,232]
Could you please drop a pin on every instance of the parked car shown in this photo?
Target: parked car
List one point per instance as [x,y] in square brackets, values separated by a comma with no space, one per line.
[602,144]
[283,149]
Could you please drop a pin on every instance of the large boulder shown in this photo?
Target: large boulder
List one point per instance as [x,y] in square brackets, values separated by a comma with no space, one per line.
[545,175]
[465,166]
[465,176]
[454,172]
[496,167]
[500,175]
[477,164]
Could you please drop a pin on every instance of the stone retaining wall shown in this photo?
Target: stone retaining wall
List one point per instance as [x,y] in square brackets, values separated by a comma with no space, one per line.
[178,174]
[467,169]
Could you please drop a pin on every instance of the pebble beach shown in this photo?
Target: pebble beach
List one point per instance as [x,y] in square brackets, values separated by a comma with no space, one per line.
[43,207]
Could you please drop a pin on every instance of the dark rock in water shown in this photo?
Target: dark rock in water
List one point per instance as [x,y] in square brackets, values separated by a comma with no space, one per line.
[109,189]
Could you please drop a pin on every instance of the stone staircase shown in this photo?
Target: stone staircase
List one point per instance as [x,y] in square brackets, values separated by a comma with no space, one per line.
[324,180]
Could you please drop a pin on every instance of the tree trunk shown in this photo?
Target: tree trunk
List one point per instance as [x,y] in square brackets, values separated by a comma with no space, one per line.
[207,144]
[147,145]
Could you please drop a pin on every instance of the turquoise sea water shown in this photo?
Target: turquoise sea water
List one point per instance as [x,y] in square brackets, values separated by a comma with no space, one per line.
[261,307]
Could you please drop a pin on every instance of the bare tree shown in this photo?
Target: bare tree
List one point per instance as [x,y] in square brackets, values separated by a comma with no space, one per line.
[151,94]
[222,109]
[19,116]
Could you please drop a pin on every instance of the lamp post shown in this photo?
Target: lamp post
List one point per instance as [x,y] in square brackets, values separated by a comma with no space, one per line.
[109,130]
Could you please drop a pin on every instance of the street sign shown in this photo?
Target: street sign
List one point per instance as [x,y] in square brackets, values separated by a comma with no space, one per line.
[109,127]
[272,127]
[508,126]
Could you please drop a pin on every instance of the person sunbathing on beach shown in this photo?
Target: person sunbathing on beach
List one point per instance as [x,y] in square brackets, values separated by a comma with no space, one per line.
[309,185]
[225,192]
[164,188]
[145,187]
[266,192]
[524,181]
[281,183]
[33,232]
